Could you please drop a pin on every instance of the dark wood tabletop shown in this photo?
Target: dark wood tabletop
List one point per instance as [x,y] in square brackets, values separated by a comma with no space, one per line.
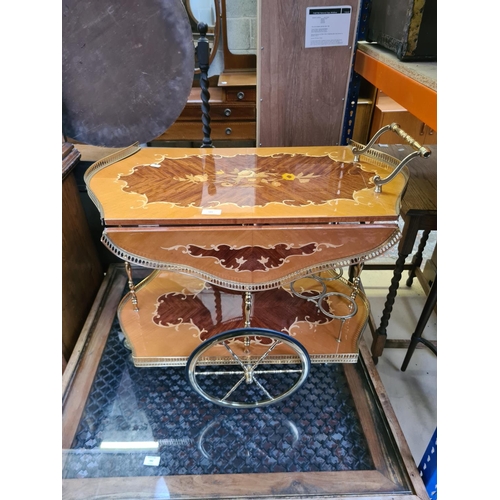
[421,190]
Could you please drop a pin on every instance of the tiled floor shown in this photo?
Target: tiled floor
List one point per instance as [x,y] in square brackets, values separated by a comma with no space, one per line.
[413,393]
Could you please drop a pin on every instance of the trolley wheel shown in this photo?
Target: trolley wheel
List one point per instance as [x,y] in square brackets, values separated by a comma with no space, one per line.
[248,367]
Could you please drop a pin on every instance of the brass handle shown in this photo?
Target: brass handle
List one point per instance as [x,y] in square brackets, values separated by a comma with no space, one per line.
[422,151]
[419,151]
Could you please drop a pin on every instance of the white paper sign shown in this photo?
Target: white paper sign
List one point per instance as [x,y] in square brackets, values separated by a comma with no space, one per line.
[327,26]
[152,461]
[211,211]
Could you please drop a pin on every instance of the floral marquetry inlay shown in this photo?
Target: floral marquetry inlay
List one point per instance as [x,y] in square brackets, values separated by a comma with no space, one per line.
[252,258]
[247,180]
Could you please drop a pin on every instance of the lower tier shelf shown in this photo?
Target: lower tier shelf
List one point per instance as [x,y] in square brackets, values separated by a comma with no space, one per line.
[175,313]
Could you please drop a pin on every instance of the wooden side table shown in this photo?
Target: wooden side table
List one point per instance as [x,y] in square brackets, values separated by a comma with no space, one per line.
[419,213]
[416,337]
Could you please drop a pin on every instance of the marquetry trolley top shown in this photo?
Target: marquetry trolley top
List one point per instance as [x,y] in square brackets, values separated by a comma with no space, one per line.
[176,186]
[246,219]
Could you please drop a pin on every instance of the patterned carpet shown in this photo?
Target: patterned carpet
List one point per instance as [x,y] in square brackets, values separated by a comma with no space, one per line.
[315,429]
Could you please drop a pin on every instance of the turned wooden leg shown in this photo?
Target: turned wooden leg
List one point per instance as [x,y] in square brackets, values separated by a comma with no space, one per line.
[380,335]
[424,317]
[410,231]
[417,258]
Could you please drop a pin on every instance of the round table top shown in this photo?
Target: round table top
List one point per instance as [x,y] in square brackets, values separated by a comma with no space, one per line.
[127,69]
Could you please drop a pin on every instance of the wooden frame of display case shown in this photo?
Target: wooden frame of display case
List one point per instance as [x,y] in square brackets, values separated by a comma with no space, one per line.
[395,472]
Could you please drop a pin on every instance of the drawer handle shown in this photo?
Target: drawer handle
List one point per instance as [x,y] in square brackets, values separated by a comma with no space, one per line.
[228,131]
[240,95]
[227,112]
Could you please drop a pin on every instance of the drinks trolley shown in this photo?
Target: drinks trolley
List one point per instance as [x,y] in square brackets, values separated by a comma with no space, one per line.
[247,248]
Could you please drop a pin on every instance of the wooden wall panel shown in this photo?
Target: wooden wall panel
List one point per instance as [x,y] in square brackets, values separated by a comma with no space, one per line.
[300,91]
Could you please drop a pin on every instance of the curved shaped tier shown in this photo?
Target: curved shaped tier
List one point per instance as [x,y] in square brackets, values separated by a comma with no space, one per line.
[177,312]
[251,257]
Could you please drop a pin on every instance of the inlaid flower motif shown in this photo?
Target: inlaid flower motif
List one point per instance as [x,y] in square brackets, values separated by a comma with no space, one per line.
[195,179]
[303,178]
[246,173]
[248,180]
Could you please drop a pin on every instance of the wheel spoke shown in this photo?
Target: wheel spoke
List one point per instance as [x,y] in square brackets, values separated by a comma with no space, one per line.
[263,389]
[234,388]
[235,356]
[260,372]
[255,372]
[223,372]
[275,343]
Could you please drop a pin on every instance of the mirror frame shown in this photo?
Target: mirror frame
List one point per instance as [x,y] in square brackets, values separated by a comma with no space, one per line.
[245,62]
[191,15]
[216,30]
